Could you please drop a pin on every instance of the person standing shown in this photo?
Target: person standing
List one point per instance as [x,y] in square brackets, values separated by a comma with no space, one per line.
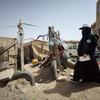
[86,68]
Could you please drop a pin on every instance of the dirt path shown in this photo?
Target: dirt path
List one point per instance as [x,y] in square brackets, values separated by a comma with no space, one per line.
[65,90]
[46,89]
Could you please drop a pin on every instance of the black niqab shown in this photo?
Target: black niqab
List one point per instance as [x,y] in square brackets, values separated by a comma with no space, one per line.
[86,31]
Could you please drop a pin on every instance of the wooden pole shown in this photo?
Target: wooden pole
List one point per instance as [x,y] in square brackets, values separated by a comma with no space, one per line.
[21,36]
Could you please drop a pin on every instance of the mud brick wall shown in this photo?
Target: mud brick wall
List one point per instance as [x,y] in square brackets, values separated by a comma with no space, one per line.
[8,55]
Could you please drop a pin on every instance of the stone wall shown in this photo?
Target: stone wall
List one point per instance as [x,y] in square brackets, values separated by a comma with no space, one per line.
[9,55]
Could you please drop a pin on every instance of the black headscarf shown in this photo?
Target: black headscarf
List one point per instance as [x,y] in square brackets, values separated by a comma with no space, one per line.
[86,31]
[82,47]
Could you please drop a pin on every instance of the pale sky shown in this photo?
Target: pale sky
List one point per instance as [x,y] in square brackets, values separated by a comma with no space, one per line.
[66,16]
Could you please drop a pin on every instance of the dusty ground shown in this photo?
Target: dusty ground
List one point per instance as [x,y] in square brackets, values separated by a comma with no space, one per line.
[46,89]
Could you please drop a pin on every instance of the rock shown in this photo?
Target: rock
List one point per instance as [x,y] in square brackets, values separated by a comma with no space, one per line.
[36,84]
[8,73]
[71,74]
[23,90]
[62,78]
[11,86]
[62,73]
[18,86]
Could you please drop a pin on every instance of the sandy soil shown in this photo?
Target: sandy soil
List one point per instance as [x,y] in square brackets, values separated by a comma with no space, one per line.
[46,89]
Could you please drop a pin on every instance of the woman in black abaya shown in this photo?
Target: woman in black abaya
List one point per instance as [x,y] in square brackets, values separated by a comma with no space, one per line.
[86,71]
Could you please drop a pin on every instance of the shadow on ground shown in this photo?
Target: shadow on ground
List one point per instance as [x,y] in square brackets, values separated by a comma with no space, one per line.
[4,82]
[67,88]
[43,75]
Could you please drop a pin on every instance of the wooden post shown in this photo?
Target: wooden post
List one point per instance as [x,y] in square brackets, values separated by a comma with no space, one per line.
[16,53]
[22,51]
[21,36]
[42,51]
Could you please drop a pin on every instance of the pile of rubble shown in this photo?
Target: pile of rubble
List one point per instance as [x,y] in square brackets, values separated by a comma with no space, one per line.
[16,90]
